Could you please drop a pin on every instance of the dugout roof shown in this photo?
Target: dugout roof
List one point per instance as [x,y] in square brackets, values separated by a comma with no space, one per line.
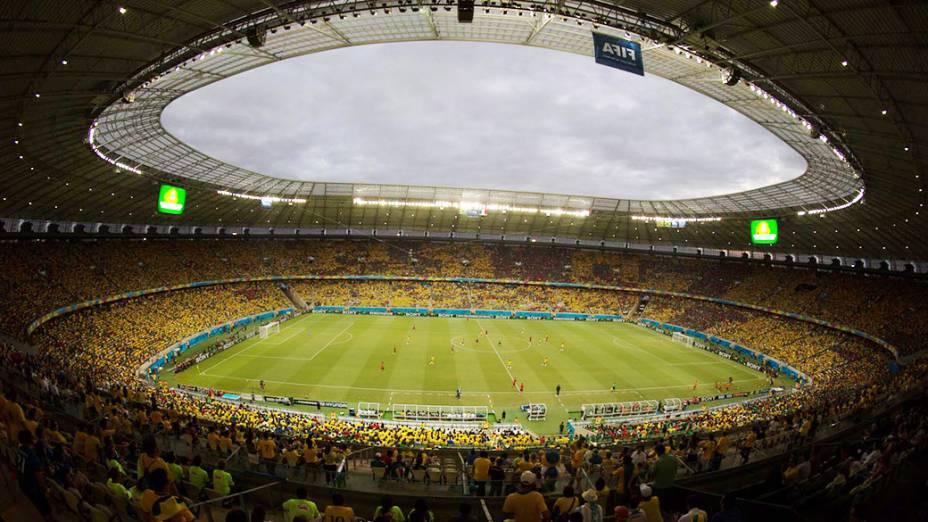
[833,68]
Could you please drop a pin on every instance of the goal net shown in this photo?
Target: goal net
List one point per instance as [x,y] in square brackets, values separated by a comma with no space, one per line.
[268,329]
[683,338]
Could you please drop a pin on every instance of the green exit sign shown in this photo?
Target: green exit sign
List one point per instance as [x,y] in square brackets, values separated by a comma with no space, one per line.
[764,231]
[171,200]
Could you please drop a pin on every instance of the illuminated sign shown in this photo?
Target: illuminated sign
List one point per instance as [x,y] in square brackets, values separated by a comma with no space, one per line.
[670,223]
[764,231]
[171,200]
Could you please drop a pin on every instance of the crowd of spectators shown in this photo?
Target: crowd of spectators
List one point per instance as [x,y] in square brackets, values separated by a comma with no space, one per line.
[54,274]
[107,345]
[91,356]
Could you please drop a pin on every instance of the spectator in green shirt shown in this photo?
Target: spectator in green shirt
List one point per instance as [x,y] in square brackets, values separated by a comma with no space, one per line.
[112,482]
[420,512]
[177,471]
[300,507]
[222,480]
[665,473]
[198,476]
[388,508]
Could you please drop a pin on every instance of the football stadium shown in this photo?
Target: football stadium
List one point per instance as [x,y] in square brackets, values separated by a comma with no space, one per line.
[464,261]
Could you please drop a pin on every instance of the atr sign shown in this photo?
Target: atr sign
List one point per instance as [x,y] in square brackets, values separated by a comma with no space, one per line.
[618,52]
[171,200]
[764,231]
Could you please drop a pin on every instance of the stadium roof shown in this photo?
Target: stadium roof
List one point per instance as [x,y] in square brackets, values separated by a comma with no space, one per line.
[852,71]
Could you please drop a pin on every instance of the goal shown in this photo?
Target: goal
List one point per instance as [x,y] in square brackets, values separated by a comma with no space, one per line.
[268,329]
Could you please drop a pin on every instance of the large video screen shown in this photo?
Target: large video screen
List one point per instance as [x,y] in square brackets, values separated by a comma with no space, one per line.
[764,231]
[171,200]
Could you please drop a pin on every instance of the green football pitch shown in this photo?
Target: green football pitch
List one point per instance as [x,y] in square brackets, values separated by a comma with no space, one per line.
[425,359]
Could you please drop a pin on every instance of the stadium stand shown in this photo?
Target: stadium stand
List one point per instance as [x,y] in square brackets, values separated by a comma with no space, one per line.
[87,360]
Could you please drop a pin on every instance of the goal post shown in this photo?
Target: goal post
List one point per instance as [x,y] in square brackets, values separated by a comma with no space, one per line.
[267,329]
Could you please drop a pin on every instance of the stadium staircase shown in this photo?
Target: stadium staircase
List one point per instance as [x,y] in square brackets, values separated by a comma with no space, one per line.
[294,298]
[638,310]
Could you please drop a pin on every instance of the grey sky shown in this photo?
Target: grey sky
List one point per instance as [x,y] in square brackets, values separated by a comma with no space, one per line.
[481,116]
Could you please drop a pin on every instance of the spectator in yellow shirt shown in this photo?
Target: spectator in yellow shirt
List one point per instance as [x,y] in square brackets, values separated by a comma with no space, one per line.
[526,504]
[337,511]
[482,472]
[267,450]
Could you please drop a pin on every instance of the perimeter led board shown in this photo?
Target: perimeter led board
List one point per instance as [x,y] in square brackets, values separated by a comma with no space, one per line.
[171,200]
[764,231]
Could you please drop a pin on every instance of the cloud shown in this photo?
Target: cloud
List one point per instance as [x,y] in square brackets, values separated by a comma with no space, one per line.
[479,116]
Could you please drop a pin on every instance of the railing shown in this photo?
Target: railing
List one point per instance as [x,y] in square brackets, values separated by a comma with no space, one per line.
[238,497]
[465,476]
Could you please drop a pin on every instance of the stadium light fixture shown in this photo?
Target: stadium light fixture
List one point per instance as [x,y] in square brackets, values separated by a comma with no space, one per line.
[843,63]
[472,208]
[112,161]
[263,199]
[661,219]
[731,76]
[774,3]
[122,10]
[858,197]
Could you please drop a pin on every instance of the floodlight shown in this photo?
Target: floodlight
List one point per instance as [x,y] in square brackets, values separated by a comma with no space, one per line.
[731,76]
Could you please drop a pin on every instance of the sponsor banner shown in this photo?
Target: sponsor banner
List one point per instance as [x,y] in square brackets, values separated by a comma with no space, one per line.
[324,404]
[618,53]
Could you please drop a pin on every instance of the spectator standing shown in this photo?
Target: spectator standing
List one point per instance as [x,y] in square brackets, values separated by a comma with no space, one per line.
[650,504]
[267,450]
[31,473]
[565,505]
[526,504]
[591,510]
[664,473]
[481,473]
[497,476]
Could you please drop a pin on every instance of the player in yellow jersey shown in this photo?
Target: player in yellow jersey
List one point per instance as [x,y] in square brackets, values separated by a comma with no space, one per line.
[545,363]
[509,364]
[562,347]
[432,361]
